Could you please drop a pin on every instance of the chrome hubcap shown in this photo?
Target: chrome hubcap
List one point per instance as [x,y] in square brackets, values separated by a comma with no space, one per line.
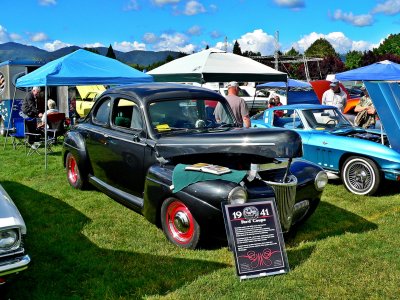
[181,221]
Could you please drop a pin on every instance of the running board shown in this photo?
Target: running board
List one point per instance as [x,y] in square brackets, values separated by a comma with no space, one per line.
[126,199]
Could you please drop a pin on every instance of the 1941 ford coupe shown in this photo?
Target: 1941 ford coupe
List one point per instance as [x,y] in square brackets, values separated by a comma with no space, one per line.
[136,140]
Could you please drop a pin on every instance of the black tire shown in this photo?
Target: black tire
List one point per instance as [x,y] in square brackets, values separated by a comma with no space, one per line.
[361,175]
[179,225]
[74,175]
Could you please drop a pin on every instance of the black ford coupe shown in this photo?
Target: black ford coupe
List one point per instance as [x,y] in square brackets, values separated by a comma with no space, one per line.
[136,141]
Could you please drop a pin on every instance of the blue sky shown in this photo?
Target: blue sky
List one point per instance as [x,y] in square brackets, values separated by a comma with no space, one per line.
[190,25]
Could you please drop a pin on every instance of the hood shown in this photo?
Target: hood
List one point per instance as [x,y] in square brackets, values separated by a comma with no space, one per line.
[257,142]
[386,99]
[9,214]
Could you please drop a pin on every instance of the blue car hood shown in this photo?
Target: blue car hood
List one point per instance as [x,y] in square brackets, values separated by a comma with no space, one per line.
[386,99]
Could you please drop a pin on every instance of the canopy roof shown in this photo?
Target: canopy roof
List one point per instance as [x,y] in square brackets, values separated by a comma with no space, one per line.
[383,70]
[83,68]
[291,83]
[214,65]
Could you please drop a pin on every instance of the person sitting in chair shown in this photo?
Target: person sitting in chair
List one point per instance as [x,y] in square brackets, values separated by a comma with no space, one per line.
[51,104]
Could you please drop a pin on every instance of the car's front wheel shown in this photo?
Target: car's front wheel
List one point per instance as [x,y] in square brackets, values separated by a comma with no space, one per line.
[178,224]
[74,175]
[361,175]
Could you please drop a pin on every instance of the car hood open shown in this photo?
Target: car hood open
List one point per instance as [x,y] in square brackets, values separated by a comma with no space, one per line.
[266,143]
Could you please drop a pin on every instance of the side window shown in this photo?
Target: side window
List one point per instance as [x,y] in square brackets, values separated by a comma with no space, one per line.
[126,114]
[102,112]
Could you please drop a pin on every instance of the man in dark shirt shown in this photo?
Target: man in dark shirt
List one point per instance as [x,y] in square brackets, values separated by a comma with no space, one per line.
[29,105]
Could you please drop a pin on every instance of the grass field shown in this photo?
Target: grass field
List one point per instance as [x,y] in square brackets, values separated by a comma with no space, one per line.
[83,245]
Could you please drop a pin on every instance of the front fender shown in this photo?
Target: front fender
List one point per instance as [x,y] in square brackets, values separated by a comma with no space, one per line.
[74,143]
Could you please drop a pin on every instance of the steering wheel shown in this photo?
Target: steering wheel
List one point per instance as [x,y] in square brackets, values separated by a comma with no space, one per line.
[331,121]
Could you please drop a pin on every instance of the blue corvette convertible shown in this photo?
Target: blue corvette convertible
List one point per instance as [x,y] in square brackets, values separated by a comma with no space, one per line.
[362,158]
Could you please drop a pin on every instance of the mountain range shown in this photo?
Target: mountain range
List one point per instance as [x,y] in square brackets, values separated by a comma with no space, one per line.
[16,51]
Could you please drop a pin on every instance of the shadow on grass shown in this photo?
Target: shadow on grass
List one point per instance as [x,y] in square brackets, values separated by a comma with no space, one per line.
[327,221]
[65,264]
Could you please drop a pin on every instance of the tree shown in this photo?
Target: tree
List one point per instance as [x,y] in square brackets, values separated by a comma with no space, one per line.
[110,52]
[391,45]
[353,59]
[91,50]
[320,48]
[292,52]
[236,48]
[207,47]
[251,53]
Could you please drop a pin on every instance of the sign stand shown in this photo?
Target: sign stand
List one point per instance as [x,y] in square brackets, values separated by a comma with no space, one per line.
[255,237]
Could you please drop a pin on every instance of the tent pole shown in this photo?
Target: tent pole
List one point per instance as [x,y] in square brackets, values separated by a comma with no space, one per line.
[45,127]
[9,118]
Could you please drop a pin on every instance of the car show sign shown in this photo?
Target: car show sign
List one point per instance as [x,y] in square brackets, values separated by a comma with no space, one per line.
[255,237]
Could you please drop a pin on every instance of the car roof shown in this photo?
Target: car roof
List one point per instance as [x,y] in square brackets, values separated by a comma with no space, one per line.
[146,92]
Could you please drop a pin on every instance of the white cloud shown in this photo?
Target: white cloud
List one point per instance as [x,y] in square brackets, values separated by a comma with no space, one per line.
[215,34]
[257,41]
[55,45]
[132,5]
[295,4]
[164,2]
[47,2]
[39,37]
[94,45]
[194,30]
[194,8]
[174,42]
[338,40]
[150,38]
[359,20]
[128,46]
[224,46]
[15,37]
[4,37]
[389,7]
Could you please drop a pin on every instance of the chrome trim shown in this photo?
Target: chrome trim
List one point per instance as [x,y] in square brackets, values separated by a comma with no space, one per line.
[108,135]
[285,196]
[230,144]
[276,164]
[14,265]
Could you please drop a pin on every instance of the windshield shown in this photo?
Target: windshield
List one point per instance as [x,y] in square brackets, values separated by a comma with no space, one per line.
[320,119]
[186,114]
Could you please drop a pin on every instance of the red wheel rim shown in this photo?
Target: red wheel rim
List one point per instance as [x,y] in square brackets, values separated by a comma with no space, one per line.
[72,173]
[180,222]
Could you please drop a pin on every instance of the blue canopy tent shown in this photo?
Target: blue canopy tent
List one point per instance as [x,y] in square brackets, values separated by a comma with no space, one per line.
[82,68]
[297,91]
[385,70]
[384,95]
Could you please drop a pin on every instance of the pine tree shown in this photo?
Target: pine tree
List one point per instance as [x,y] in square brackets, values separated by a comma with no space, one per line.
[236,48]
[110,52]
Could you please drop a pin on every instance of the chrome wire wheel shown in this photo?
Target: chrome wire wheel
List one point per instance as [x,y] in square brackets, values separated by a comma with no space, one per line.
[178,224]
[361,176]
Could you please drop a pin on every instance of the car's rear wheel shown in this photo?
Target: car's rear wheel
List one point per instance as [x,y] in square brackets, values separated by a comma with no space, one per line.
[361,175]
[178,224]
[74,175]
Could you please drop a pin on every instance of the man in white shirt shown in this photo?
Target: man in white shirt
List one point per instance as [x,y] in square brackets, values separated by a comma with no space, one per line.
[335,96]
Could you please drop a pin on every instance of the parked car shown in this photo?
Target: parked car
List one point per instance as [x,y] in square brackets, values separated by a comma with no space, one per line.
[362,158]
[13,258]
[135,137]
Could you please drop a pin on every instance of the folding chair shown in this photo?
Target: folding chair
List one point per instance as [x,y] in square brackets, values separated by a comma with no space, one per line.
[56,128]
[33,137]
[19,133]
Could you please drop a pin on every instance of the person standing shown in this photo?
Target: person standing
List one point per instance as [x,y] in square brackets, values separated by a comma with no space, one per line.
[29,105]
[366,112]
[335,96]
[237,104]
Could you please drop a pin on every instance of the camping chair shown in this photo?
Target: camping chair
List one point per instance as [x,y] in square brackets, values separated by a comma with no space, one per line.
[56,128]
[33,137]
[19,134]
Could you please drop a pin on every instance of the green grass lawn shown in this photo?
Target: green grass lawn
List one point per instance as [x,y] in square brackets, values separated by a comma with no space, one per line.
[83,245]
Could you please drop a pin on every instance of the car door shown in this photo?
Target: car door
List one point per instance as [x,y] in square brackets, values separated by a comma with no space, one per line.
[116,144]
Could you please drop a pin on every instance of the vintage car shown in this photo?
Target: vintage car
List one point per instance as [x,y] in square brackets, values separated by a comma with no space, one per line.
[363,158]
[12,232]
[136,138]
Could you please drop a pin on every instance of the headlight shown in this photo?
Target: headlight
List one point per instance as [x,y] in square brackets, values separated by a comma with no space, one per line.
[321,180]
[9,240]
[237,195]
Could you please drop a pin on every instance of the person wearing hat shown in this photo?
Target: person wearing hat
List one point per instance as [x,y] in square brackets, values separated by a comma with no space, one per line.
[366,112]
[237,104]
[335,96]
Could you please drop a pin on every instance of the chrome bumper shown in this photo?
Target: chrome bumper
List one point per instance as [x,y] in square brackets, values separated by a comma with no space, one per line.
[14,265]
